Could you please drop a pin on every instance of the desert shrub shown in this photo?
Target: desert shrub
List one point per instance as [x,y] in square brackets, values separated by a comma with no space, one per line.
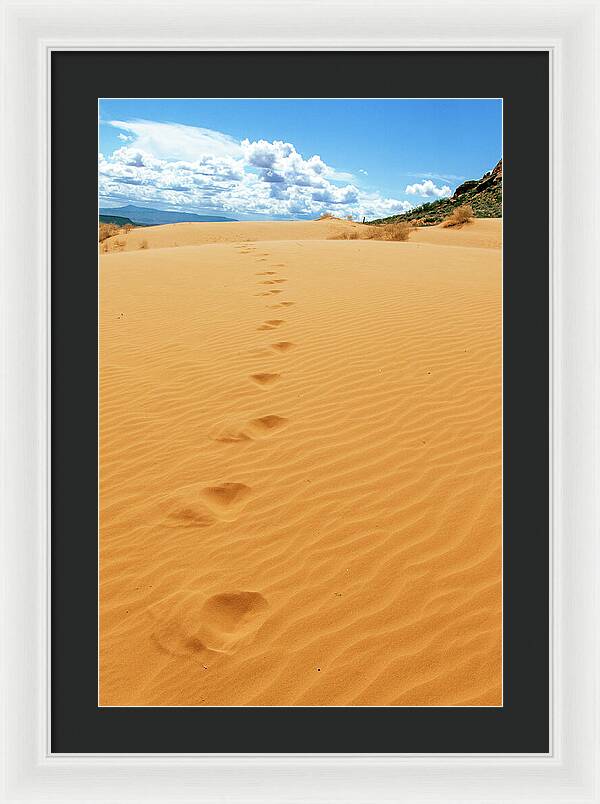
[349,218]
[459,216]
[389,231]
[397,231]
[324,215]
[143,244]
[106,230]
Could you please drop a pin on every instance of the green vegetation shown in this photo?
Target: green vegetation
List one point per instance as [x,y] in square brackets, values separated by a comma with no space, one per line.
[483,195]
[116,219]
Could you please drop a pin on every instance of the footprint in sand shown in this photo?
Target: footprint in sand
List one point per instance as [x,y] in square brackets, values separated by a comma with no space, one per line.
[265,378]
[274,291]
[223,501]
[210,627]
[226,500]
[283,346]
[190,515]
[266,273]
[233,437]
[255,428]
[266,424]
[282,304]
[272,323]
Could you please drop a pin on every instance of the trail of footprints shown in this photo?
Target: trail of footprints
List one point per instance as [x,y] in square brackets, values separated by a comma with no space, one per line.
[199,627]
[265,379]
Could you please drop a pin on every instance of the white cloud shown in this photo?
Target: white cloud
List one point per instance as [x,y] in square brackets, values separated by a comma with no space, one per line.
[440,176]
[364,172]
[199,169]
[176,141]
[427,189]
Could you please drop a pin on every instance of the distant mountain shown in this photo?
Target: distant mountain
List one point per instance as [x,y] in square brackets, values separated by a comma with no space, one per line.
[484,195]
[144,216]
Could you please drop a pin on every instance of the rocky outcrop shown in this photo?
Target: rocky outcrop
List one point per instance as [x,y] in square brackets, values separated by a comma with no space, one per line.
[484,195]
[491,179]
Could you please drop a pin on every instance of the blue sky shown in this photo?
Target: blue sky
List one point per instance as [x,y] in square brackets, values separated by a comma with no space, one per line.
[256,159]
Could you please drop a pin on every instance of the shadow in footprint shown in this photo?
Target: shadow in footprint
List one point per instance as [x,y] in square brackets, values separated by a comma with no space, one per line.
[283,346]
[272,324]
[266,424]
[191,516]
[265,378]
[233,438]
[226,499]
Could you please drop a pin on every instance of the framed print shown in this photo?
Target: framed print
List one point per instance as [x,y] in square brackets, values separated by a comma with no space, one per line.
[383,500]
[299,498]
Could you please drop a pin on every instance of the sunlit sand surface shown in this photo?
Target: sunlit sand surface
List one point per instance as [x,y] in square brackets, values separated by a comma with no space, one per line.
[300,467]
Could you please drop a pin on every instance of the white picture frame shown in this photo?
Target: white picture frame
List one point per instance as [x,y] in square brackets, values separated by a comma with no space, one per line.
[569,31]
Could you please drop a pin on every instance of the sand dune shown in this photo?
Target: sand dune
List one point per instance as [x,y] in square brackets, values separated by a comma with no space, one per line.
[300,490]
[186,234]
[480,233]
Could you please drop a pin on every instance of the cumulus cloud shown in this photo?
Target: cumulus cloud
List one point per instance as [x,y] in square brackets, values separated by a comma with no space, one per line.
[427,189]
[364,172]
[200,169]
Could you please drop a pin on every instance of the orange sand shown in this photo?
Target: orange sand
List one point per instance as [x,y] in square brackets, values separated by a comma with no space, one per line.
[300,461]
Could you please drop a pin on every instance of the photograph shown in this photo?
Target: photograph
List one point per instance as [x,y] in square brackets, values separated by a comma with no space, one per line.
[300,402]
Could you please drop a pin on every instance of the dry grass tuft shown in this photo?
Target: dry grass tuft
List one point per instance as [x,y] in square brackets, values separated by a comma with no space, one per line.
[324,215]
[394,231]
[459,216]
[391,231]
[143,244]
[106,230]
